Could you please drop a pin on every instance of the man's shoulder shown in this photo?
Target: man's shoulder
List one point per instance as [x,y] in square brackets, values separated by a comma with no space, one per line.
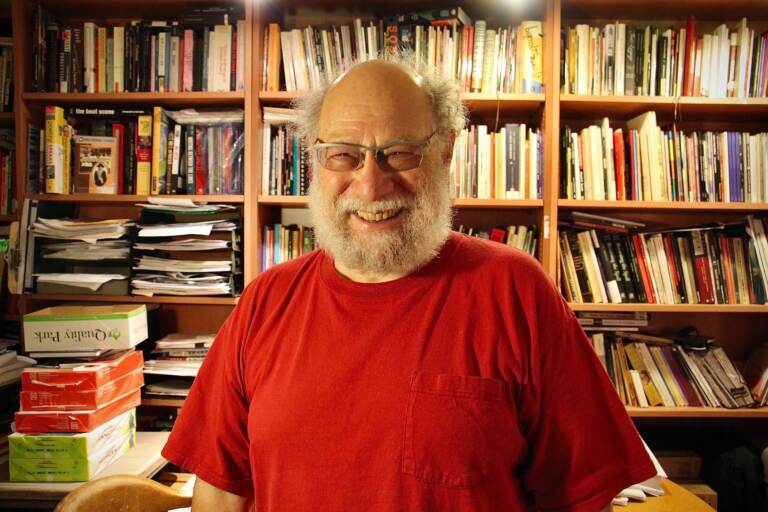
[280,277]
[478,254]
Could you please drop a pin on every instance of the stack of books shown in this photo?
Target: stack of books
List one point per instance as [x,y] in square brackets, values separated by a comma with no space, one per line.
[521,236]
[175,362]
[610,321]
[143,151]
[185,248]
[284,243]
[81,256]
[202,51]
[285,155]
[507,164]
[604,259]
[483,59]
[650,370]
[646,163]
[619,59]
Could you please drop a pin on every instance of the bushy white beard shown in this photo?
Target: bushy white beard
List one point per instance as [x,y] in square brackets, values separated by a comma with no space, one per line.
[423,231]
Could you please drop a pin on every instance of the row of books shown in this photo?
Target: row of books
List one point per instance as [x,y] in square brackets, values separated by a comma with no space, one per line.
[283,243]
[647,163]
[138,151]
[189,54]
[705,265]
[650,371]
[507,164]
[488,60]
[620,59]
[520,236]
[285,169]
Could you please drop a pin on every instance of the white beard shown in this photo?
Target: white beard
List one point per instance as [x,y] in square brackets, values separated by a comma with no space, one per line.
[419,238]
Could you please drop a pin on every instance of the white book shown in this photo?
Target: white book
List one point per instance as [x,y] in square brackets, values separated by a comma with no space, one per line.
[240,69]
[582,62]
[89,56]
[610,173]
[176,153]
[299,62]
[638,385]
[173,76]
[533,163]
[118,59]
[220,52]
[521,161]
[742,59]
[598,170]
[654,59]
[285,49]
[706,62]
[483,162]
[620,53]
[578,190]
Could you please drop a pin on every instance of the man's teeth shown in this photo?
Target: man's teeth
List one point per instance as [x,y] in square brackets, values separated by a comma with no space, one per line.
[376,216]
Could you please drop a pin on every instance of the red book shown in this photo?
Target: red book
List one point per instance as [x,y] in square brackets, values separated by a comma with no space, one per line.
[187,58]
[498,235]
[201,160]
[618,150]
[728,267]
[640,253]
[38,422]
[118,131]
[69,400]
[690,56]
[701,268]
[88,376]
[680,377]
[468,58]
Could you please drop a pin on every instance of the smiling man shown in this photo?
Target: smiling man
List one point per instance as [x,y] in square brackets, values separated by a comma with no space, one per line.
[401,366]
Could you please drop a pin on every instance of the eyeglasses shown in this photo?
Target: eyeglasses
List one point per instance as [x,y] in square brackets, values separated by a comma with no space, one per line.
[398,156]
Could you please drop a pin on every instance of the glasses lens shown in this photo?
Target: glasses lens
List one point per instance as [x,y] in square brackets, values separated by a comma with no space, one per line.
[403,158]
[339,158]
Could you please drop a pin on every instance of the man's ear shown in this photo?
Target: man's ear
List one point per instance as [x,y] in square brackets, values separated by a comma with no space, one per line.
[448,140]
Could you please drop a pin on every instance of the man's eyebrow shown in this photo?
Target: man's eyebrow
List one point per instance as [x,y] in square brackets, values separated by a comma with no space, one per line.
[393,142]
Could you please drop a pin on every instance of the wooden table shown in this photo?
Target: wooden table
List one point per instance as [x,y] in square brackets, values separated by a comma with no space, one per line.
[143,460]
[675,499]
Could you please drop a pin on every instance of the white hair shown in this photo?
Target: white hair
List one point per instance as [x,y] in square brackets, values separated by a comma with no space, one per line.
[448,111]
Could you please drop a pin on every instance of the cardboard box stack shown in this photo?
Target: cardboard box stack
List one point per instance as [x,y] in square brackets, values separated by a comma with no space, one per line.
[77,416]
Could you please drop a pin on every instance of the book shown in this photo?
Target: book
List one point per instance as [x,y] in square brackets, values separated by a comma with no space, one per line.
[96,165]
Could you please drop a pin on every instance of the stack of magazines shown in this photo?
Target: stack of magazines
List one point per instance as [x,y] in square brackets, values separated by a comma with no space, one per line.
[175,361]
[185,248]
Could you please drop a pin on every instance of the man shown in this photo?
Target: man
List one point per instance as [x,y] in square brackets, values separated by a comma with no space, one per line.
[402,367]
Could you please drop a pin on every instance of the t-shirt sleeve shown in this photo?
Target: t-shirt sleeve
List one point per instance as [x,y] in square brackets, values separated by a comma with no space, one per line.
[584,448]
[210,436]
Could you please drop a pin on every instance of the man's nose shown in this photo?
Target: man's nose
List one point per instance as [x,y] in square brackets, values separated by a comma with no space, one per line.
[371,182]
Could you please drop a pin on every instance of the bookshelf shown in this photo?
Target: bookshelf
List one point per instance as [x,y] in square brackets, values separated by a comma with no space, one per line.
[550,110]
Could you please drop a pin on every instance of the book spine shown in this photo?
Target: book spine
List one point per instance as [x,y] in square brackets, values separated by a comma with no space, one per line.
[144,155]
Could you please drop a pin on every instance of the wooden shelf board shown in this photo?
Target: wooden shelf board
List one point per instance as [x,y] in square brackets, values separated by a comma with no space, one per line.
[500,204]
[696,412]
[580,204]
[477,102]
[236,98]
[109,198]
[162,402]
[589,106]
[159,299]
[674,308]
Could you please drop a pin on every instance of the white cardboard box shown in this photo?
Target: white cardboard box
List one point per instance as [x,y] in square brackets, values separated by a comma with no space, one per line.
[72,328]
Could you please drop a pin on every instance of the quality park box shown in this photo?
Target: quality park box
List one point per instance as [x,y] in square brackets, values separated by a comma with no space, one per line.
[62,328]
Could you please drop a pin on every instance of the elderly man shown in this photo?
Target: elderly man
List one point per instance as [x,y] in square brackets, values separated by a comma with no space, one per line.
[402,366]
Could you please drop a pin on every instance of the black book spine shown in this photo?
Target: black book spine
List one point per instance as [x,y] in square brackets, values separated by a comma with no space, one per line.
[145,61]
[52,58]
[671,243]
[566,163]
[639,54]
[197,61]
[715,261]
[129,168]
[77,59]
[634,268]
[578,264]
[624,274]
[613,261]
[702,157]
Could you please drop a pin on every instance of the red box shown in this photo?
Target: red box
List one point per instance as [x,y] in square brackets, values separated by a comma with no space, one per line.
[88,376]
[34,422]
[62,399]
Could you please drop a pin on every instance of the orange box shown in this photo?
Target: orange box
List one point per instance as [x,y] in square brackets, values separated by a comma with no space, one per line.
[84,377]
[59,399]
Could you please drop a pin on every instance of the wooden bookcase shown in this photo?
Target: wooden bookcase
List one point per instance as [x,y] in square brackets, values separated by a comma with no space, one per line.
[737,327]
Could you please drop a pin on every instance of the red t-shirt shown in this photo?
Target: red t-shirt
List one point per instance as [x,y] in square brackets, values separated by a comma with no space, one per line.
[467,385]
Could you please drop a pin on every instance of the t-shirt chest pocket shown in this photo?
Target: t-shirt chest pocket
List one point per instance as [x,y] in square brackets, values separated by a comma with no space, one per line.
[459,429]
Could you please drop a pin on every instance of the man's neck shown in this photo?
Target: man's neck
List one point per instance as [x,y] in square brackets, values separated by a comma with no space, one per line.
[360,276]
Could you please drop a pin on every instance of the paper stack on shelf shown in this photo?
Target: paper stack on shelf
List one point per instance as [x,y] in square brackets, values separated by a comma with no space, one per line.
[184,248]
[82,256]
[76,417]
[175,361]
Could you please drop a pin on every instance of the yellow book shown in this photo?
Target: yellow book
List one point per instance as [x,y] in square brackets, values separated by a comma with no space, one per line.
[54,150]
[144,155]
[651,393]
[669,379]
[533,48]
[66,134]
[159,150]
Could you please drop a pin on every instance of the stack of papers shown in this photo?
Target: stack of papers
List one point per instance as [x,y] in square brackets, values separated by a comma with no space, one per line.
[186,248]
[86,281]
[90,231]
[178,356]
[83,251]
[11,366]
[178,283]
